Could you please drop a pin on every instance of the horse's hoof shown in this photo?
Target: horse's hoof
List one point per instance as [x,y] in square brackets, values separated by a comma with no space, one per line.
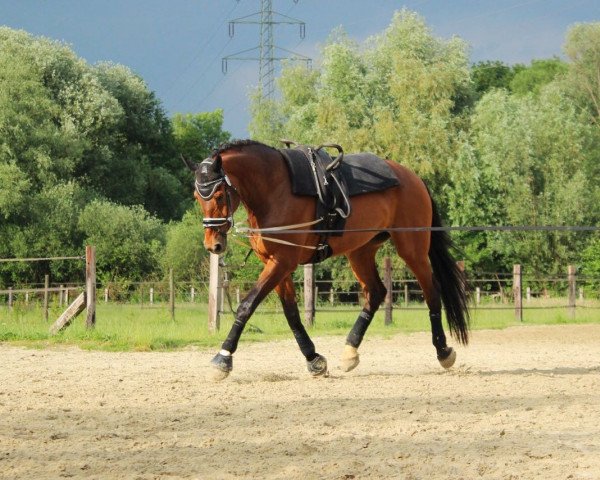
[448,359]
[350,358]
[221,366]
[317,367]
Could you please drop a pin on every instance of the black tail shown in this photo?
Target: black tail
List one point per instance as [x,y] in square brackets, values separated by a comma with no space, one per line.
[451,280]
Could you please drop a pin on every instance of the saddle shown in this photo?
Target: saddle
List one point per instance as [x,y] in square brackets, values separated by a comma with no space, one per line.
[333,181]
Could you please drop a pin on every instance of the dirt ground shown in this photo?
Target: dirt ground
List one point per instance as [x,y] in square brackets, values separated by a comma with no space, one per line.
[521,403]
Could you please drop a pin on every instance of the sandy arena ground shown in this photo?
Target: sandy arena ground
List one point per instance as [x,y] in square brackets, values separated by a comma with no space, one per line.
[522,403]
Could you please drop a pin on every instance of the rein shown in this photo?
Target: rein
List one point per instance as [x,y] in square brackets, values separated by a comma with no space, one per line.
[248,231]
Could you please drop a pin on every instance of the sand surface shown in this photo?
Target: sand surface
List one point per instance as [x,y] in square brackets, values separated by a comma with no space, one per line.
[521,403]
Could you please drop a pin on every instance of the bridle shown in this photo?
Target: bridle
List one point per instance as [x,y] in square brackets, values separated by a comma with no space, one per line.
[207,188]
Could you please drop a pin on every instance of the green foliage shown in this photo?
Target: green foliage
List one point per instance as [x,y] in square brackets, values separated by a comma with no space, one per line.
[14,186]
[541,72]
[492,74]
[184,250]
[522,165]
[590,261]
[196,135]
[71,133]
[128,240]
[394,97]
[583,81]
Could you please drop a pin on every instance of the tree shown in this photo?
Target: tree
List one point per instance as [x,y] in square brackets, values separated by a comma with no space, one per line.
[395,97]
[491,74]
[71,133]
[128,240]
[184,248]
[140,165]
[197,134]
[539,73]
[523,165]
[582,47]
[590,262]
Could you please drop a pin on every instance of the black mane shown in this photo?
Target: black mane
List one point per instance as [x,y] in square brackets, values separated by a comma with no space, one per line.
[237,144]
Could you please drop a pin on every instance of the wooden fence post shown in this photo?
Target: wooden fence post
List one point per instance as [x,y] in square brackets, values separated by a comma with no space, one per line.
[477,295]
[387,281]
[61,290]
[46,286]
[192,294]
[214,292]
[518,292]
[528,293]
[309,295]
[151,295]
[10,298]
[106,295]
[171,294]
[90,285]
[406,294]
[571,277]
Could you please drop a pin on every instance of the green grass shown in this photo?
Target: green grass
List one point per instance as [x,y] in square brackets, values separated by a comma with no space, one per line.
[131,327]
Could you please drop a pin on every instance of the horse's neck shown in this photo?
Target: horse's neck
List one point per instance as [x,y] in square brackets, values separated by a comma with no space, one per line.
[257,179]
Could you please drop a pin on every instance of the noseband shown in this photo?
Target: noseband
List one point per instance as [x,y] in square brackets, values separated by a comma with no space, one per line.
[209,182]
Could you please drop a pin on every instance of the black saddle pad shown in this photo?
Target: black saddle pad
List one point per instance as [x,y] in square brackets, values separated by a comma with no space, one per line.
[363,173]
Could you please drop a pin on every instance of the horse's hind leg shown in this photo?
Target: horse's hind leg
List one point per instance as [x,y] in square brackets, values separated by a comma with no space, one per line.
[413,248]
[316,364]
[363,265]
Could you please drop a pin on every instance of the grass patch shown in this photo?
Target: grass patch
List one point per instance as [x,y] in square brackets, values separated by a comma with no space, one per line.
[133,328]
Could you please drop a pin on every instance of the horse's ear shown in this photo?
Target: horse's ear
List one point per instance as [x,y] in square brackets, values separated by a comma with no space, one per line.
[191,165]
[217,164]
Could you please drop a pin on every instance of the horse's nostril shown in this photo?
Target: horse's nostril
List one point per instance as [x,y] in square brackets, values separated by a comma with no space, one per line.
[217,248]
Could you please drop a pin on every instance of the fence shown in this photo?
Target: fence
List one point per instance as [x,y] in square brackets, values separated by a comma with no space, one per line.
[516,290]
[86,300]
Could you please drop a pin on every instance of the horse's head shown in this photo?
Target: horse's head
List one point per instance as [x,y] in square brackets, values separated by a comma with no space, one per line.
[218,199]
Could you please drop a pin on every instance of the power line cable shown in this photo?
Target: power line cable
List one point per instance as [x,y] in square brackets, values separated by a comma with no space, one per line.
[198,54]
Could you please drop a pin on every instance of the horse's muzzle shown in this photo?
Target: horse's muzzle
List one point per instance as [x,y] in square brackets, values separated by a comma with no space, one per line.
[217,246]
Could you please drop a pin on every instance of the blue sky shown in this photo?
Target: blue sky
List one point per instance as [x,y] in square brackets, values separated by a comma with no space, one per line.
[177,45]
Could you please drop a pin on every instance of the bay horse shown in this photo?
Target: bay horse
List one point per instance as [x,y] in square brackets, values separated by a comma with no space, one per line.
[255,175]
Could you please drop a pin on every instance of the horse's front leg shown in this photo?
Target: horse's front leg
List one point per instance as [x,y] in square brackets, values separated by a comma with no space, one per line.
[316,364]
[273,273]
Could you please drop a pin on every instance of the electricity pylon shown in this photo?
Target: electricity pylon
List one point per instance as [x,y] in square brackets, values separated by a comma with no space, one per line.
[268,52]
